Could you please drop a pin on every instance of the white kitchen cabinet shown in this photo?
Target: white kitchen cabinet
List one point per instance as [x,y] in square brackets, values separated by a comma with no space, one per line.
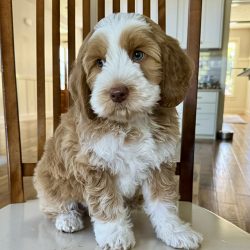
[177,20]
[206,116]
[205,126]
[211,24]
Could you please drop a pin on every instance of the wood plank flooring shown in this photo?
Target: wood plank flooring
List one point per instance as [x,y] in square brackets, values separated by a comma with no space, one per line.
[221,176]
[224,186]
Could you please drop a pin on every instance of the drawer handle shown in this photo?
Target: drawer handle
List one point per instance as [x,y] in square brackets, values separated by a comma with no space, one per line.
[199,108]
[198,124]
[199,97]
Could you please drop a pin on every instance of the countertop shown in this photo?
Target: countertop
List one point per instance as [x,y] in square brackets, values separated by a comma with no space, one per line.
[208,90]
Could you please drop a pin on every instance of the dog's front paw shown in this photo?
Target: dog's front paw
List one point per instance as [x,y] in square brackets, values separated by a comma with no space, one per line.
[69,222]
[121,240]
[114,235]
[181,236]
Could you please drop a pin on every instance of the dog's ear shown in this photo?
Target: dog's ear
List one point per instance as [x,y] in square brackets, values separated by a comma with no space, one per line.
[78,86]
[176,68]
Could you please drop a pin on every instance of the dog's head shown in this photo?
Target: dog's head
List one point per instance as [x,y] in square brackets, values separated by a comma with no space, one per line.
[128,65]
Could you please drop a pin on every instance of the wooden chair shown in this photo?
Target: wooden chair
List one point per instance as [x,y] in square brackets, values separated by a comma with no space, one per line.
[19,169]
[22,225]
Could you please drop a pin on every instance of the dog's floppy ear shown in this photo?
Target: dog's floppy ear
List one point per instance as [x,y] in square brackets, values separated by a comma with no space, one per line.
[176,68]
[78,87]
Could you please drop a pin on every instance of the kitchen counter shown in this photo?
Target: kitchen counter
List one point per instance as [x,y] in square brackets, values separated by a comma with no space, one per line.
[208,90]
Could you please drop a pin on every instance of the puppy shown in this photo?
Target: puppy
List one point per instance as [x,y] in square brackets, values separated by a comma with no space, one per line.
[120,135]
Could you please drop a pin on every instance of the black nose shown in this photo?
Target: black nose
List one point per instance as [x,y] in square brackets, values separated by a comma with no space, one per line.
[119,94]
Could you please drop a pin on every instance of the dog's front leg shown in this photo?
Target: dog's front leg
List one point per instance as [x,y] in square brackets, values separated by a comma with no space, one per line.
[160,196]
[112,226]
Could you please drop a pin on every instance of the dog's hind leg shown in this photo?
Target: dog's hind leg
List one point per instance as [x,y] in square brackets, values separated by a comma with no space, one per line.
[70,220]
[67,214]
[58,191]
[59,199]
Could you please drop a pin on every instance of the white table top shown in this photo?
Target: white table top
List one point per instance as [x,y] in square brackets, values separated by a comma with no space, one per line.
[23,227]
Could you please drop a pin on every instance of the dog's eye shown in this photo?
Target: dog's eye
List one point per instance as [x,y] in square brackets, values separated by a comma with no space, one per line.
[137,56]
[100,63]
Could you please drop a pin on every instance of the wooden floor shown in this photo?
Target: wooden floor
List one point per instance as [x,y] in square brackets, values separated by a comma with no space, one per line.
[222,173]
[224,185]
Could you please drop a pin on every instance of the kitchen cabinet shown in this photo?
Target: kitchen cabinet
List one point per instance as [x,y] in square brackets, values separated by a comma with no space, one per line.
[177,20]
[206,116]
[211,24]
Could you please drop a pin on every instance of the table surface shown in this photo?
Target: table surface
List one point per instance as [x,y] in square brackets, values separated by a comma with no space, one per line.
[23,227]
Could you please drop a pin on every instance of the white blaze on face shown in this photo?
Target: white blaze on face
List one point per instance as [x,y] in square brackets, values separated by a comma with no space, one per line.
[120,70]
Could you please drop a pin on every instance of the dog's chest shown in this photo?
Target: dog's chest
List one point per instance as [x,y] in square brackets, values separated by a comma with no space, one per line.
[129,161]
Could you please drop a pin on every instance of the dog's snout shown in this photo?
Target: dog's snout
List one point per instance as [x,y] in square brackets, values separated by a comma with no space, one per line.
[119,94]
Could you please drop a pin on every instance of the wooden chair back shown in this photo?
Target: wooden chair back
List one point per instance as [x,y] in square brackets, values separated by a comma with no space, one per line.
[19,169]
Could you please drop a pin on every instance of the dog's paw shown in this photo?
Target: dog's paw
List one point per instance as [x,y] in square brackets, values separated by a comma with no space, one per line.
[180,237]
[69,222]
[122,240]
[114,236]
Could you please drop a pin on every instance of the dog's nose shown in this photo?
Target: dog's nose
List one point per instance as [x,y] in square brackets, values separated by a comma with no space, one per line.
[119,94]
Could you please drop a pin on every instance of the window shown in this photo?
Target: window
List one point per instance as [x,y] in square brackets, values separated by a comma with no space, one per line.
[231,61]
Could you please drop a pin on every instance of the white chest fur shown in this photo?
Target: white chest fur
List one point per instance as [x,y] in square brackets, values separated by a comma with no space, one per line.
[130,162]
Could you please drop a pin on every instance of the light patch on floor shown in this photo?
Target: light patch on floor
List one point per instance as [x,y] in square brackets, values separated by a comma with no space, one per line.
[233,119]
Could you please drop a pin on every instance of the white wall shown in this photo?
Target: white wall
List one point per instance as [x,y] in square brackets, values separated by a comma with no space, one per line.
[26,90]
[25,38]
[238,102]
[24,18]
[248,99]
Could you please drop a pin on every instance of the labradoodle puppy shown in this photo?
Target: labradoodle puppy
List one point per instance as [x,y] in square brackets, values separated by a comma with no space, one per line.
[120,135]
